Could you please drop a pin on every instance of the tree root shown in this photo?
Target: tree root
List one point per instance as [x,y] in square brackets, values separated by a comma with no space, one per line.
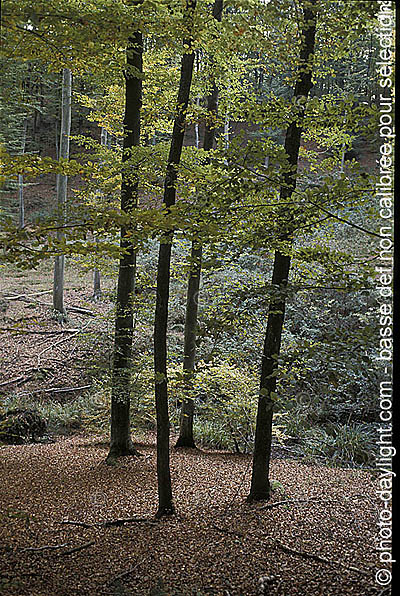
[182,442]
[117,452]
[165,511]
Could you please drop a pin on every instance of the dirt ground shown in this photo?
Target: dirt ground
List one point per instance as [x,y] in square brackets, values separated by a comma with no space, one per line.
[321,542]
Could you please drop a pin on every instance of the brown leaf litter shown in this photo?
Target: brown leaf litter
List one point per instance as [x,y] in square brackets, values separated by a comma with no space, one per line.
[318,541]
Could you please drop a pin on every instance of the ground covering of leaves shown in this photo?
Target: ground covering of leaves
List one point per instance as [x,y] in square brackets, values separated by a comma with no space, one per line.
[216,544]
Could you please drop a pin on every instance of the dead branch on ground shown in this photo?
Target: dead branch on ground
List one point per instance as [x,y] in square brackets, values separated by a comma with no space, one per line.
[77,548]
[111,523]
[315,557]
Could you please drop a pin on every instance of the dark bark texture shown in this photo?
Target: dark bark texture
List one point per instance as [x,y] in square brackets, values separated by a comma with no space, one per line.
[186,438]
[165,504]
[260,484]
[121,443]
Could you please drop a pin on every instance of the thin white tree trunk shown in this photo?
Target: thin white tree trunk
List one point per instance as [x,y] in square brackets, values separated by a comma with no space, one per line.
[343,149]
[59,265]
[196,127]
[226,131]
[21,202]
[343,158]
[96,273]
[57,142]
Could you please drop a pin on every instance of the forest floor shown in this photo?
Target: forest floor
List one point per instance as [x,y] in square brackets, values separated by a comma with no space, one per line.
[319,541]
[39,357]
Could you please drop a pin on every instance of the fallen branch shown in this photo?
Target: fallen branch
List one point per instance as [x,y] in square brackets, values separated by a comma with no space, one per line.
[64,339]
[312,500]
[77,549]
[122,575]
[64,389]
[19,296]
[127,572]
[110,523]
[16,330]
[25,298]
[128,520]
[81,310]
[230,532]
[41,548]
[294,501]
[56,390]
[18,380]
[314,557]
[76,523]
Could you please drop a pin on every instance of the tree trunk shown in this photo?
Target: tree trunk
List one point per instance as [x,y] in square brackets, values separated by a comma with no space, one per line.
[186,438]
[260,484]
[186,421]
[226,131]
[96,273]
[196,125]
[96,284]
[59,265]
[121,443]
[21,203]
[165,504]
[57,141]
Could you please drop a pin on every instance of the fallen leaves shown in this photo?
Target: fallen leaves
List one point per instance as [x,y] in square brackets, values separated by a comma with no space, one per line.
[216,544]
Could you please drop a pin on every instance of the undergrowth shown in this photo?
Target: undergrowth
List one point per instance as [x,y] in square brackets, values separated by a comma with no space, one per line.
[226,403]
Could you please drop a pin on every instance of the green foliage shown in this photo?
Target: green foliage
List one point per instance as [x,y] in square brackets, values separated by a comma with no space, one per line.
[341,444]
[67,417]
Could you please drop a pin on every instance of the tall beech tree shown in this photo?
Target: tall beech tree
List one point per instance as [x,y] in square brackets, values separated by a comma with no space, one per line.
[121,443]
[192,297]
[260,484]
[62,180]
[165,503]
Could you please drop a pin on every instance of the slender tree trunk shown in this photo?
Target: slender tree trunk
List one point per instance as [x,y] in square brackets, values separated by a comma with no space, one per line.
[57,141]
[21,203]
[96,283]
[121,443]
[186,438]
[165,504]
[226,131]
[260,484]
[187,413]
[343,148]
[196,127]
[59,265]
[96,273]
